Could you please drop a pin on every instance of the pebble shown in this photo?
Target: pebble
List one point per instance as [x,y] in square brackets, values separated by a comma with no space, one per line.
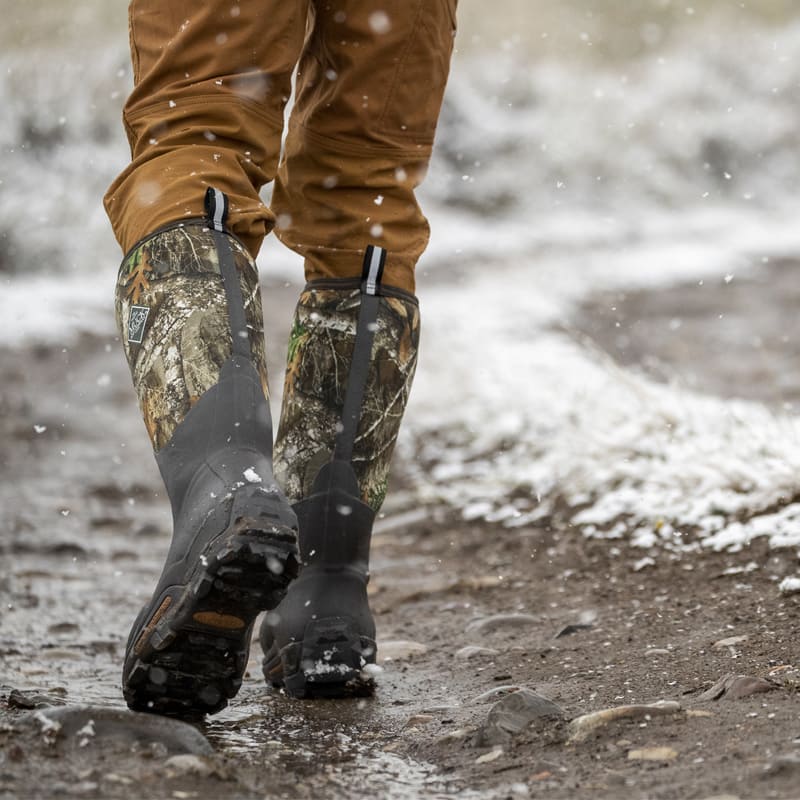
[400,650]
[735,687]
[513,714]
[731,641]
[32,669]
[473,650]
[63,628]
[28,700]
[507,689]
[786,676]
[653,754]
[122,728]
[497,621]
[442,708]
[584,726]
[61,654]
[492,755]
[568,630]
[188,764]
[789,586]
[788,762]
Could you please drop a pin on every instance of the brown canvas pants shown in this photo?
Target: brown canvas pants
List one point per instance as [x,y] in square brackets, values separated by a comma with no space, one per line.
[211,82]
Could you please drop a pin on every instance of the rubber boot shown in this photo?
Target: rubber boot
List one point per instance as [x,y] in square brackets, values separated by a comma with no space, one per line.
[352,357]
[189,312]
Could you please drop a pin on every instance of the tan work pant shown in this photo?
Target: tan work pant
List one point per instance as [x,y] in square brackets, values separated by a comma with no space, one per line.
[212,78]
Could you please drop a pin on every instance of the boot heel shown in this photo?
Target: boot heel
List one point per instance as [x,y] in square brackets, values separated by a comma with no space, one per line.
[189,658]
[332,660]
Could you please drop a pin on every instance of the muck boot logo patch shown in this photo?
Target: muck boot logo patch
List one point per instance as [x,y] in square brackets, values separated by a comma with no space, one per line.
[136,323]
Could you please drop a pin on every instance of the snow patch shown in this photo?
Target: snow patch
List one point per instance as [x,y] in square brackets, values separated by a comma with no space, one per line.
[251,476]
[789,586]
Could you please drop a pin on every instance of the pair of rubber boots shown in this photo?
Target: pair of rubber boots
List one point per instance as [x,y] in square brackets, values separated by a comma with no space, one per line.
[189,311]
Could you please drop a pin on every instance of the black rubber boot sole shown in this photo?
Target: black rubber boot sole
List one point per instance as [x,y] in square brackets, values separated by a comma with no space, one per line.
[331,661]
[189,652]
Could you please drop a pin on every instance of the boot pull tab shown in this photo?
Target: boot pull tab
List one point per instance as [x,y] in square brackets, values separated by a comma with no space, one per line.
[216,209]
[372,271]
[216,203]
[371,275]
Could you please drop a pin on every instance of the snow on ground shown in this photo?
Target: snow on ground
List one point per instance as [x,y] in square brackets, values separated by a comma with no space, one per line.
[542,417]
[683,171]
[552,179]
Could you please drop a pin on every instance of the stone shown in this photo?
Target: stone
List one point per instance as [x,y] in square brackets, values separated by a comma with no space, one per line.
[568,630]
[515,713]
[497,621]
[189,764]
[63,628]
[787,762]
[441,708]
[734,687]
[584,726]
[498,690]
[789,586]
[474,650]
[731,641]
[119,729]
[28,700]
[653,754]
[400,650]
[492,755]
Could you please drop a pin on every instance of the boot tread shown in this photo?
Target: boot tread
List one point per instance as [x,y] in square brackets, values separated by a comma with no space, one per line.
[190,661]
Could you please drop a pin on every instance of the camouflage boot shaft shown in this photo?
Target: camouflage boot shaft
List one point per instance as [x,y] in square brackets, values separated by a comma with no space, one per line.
[172,315]
[318,365]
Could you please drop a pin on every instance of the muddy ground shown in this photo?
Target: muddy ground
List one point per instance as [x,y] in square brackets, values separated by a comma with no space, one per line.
[588,624]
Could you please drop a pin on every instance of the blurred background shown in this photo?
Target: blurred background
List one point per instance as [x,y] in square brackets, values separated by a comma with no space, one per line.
[596,115]
[585,147]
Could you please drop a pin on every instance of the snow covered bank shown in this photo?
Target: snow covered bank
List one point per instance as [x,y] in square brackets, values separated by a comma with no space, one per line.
[538,420]
[682,167]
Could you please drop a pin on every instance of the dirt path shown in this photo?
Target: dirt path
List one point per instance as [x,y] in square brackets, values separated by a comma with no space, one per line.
[84,527]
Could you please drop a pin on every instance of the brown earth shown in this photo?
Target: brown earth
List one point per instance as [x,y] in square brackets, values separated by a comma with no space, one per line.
[84,527]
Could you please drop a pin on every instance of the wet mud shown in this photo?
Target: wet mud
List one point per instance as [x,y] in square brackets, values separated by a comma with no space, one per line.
[734,336]
[516,662]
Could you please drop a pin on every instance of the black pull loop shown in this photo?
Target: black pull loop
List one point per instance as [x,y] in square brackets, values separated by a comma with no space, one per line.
[372,273]
[217,212]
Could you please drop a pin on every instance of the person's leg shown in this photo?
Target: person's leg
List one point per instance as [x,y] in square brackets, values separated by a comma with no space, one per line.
[211,83]
[370,88]
[204,116]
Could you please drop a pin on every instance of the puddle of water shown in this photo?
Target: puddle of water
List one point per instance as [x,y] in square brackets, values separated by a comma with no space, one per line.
[334,743]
